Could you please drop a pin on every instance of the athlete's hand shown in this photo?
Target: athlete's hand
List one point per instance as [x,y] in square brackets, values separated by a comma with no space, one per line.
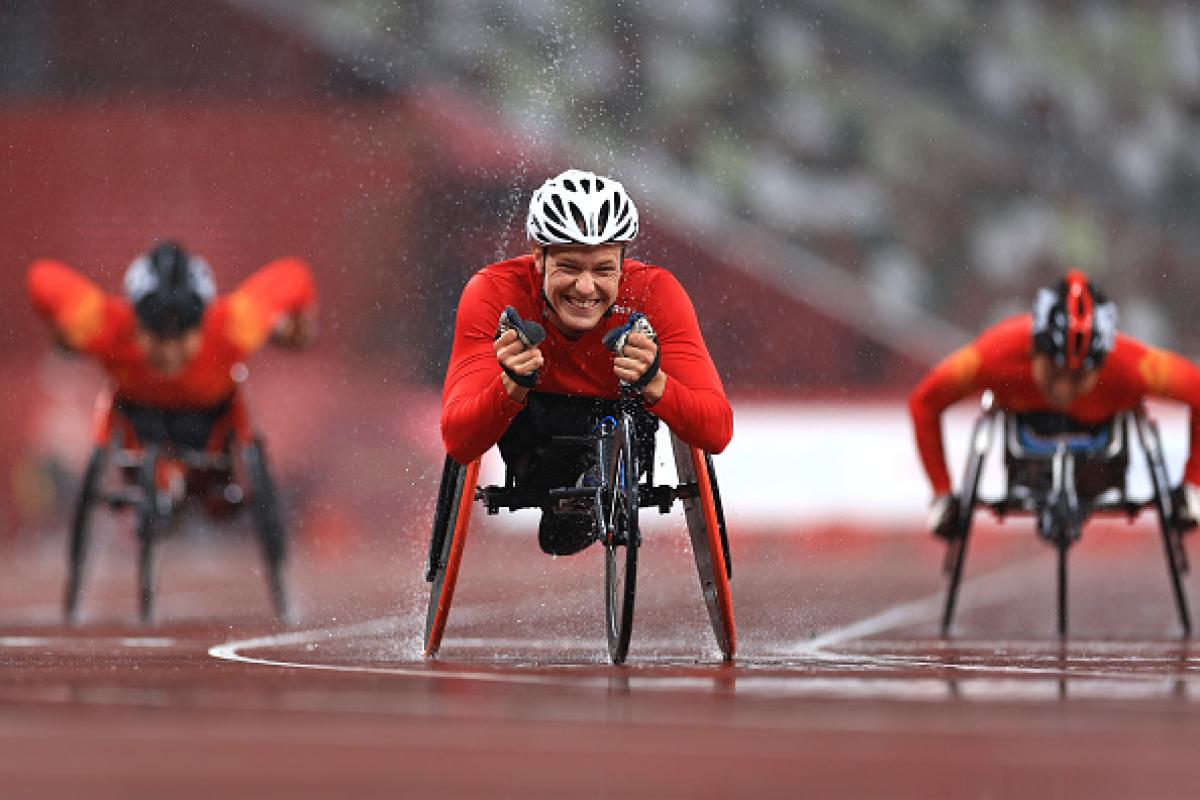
[295,330]
[516,358]
[943,517]
[1187,506]
[636,358]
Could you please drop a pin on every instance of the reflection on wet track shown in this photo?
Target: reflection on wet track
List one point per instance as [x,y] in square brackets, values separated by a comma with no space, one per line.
[841,681]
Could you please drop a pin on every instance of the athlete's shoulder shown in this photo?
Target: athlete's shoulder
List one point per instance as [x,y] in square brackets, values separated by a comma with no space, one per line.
[1010,336]
[649,284]
[510,269]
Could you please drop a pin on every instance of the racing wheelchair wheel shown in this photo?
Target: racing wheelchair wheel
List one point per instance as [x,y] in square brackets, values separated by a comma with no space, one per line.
[705,518]
[268,521]
[148,523]
[621,538]
[956,550]
[81,528]
[451,519]
[1172,539]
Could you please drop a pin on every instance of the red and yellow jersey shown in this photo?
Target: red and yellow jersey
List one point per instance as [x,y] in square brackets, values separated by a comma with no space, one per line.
[1001,360]
[476,409]
[235,325]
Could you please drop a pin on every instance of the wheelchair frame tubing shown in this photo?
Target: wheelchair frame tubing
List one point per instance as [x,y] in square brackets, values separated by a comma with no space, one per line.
[981,436]
[457,519]
[622,479]
[1152,447]
[1062,545]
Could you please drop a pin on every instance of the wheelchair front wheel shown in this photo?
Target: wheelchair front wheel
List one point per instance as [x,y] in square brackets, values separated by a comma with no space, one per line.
[149,522]
[621,540]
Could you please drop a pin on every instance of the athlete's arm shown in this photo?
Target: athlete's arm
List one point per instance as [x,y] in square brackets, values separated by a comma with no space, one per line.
[280,299]
[76,308]
[1174,377]
[692,401]
[476,406]
[950,381]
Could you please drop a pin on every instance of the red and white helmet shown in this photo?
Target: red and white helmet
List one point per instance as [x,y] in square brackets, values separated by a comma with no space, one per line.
[1074,323]
[577,207]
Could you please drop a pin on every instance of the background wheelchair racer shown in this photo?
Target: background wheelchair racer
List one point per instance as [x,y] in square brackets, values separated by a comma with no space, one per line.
[505,387]
[170,343]
[1064,364]
[172,419]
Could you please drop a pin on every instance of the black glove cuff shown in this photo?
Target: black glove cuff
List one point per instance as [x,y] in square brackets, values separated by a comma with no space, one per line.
[524,381]
[648,375]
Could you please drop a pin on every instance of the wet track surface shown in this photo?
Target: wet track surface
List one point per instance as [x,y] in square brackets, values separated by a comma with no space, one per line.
[843,685]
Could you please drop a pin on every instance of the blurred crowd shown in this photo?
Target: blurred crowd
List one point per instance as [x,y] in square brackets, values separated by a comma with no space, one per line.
[953,153]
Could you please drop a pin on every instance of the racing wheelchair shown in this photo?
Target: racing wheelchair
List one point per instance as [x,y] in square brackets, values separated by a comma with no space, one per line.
[158,479]
[1062,473]
[614,504]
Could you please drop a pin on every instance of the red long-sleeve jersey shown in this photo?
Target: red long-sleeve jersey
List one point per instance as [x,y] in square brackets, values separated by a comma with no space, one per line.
[1001,360]
[476,410]
[234,326]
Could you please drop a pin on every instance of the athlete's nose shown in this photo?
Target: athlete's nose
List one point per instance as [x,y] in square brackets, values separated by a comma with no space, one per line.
[584,284]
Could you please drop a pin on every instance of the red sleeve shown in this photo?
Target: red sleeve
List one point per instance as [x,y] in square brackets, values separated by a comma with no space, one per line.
[693,404]
[943,386]
[476,410]
[1173,377]
[279,289]
[77,309]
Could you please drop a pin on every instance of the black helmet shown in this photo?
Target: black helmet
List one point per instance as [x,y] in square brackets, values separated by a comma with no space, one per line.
[169,289]
[1074,323]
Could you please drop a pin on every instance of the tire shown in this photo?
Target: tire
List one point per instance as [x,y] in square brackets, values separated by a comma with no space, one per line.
[148,525]
[956,553]
[451,522]
[81,530]
[1172,546]
[268,523]
[621,540]
[705,518]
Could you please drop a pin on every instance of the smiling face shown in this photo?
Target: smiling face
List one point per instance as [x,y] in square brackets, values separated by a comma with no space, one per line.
[580,282]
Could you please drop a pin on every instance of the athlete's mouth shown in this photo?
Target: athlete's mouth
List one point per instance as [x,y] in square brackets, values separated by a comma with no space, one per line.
[582,305]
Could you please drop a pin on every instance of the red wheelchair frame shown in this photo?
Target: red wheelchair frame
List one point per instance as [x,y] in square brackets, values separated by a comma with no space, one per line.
[159,480]
[697,490]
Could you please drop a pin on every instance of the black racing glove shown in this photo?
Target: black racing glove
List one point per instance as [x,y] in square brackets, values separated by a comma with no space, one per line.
[615,340]
[530,335]
[943,517]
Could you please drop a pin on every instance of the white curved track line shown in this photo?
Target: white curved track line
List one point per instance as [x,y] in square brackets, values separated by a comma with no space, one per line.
[986,589]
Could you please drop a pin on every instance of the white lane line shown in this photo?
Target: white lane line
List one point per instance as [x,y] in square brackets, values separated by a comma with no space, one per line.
[87,641]
[985,590]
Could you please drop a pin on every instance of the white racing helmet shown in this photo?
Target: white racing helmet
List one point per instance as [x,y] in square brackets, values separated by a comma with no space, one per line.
[578,207]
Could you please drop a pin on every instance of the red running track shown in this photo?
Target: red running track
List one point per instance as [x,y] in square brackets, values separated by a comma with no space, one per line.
[842,686]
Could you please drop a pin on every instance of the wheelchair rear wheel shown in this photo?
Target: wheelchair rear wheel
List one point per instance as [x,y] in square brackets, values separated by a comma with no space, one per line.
[450,522]
[710,543]
[621,540]
[268,521]
[956,550]
[80,530]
